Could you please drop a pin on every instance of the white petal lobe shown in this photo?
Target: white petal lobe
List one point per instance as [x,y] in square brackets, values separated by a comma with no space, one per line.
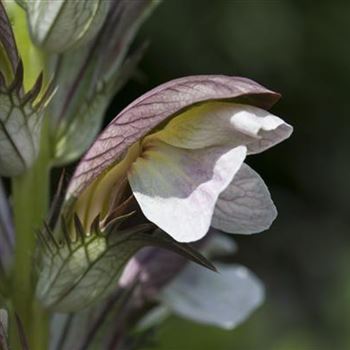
[264,129]
[177,189]
[245,206]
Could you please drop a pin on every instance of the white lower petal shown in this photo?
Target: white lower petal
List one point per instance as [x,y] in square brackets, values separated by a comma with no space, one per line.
[177,189]
[223,299]
[245,206]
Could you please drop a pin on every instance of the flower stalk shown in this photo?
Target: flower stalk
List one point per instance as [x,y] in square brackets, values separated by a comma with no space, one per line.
[30,204]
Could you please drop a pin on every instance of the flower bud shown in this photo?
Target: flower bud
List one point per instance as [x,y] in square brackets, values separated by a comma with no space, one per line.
[89,77]
[21,111]
[61,24]
[77,272]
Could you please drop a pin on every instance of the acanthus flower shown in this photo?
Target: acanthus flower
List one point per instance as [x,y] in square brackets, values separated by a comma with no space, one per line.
[177,153]
[181,147]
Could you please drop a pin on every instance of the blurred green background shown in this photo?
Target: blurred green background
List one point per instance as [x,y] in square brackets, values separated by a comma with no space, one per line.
[301,49]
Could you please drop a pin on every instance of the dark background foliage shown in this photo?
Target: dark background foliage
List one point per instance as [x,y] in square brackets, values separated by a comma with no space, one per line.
[300,49]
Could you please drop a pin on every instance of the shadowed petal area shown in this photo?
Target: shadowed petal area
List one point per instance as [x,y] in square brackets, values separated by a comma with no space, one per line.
[245,206]
[177,189]
[218,123]
[223,299]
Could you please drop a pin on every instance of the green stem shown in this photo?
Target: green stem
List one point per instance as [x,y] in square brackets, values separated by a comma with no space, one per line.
[30,205]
